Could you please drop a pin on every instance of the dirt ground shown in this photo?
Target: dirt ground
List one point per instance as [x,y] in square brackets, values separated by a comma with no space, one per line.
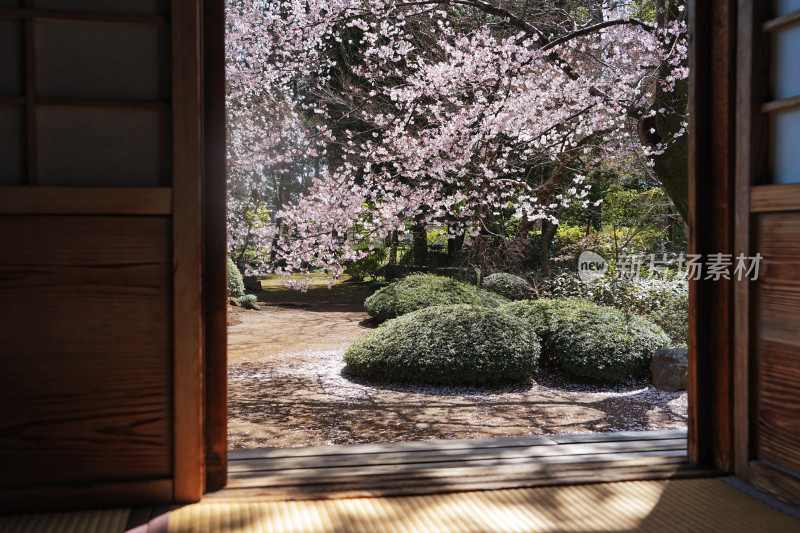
[286,388]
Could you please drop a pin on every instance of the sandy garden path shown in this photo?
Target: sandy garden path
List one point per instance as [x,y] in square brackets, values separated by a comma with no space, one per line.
[286,390]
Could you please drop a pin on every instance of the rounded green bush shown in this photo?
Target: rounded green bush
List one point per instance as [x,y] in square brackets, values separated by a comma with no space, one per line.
[508,285]
[592,340]
[235,281]
[447,345]
[247,299]
[419,291]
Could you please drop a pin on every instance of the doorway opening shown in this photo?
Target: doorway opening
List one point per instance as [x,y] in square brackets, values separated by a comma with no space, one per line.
[392,144]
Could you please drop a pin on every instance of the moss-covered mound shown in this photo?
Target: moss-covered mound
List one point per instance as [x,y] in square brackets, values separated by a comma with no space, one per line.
[447,345]
[419,291]
[592,340]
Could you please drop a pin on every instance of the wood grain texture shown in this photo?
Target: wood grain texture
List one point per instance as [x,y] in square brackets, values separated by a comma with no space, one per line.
[517,466]
[775,481]
[777,410]
[86,201]
[465,446]
[325,464]
[189,436]
[467,464]
[771,198]
[86,338]
[776,405]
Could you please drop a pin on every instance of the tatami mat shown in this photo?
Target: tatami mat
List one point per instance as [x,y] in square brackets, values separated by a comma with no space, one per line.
[675,506]
[692,506]
[106,521]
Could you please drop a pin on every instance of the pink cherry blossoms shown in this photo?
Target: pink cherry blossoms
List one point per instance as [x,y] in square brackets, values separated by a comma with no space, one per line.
[376,115]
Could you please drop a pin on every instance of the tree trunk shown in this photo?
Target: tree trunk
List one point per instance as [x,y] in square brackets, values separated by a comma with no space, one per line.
[454,246]
[548,231]
[672,167]
[393,241]
[419,231]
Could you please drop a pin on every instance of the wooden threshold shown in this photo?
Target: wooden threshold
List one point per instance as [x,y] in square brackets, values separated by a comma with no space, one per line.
[444,466]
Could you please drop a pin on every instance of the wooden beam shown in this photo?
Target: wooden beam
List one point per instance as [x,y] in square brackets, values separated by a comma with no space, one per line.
[81,16]
[782,22]
[13,100]
[770,198]
[354,463]
[90,102]
[215,247]
[752,152]
[778,106]
[711,223]
[86,201]
[187,201]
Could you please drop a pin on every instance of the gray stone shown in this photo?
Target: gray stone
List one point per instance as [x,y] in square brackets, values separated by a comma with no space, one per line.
[670,368]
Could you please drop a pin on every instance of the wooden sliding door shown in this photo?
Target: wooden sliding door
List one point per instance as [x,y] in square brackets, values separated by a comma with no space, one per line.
[101,243]
[768,223]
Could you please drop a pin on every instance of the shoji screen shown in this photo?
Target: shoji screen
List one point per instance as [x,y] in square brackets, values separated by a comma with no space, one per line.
[100,251]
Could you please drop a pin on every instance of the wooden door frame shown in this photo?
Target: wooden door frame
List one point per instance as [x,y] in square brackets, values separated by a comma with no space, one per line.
[215,239]
[717,394]
[187,227]
[712,134]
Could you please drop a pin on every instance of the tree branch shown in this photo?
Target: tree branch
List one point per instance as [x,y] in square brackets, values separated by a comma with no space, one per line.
[552,57]
[595,27]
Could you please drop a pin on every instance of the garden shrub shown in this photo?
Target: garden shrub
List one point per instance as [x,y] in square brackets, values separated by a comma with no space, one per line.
[671,312]
[592,340]
[235,281]
[367,267]
[663,301]
[447,345]
[247,299]
[392,272]
[508,285]
[418,291]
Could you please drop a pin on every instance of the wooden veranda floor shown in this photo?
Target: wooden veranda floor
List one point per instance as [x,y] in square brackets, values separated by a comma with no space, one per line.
[569,485]
[446,466]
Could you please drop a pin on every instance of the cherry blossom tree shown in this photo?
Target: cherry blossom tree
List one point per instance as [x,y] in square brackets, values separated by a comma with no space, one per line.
[460,113]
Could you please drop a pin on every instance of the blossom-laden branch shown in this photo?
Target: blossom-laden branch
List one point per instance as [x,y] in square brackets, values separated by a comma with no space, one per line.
[355,118]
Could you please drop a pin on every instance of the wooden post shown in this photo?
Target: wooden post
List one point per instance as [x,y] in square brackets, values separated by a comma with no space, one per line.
[711,229]
[187,218]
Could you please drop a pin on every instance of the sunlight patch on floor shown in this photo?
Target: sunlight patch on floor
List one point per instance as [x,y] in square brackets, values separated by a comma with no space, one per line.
[674,506]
